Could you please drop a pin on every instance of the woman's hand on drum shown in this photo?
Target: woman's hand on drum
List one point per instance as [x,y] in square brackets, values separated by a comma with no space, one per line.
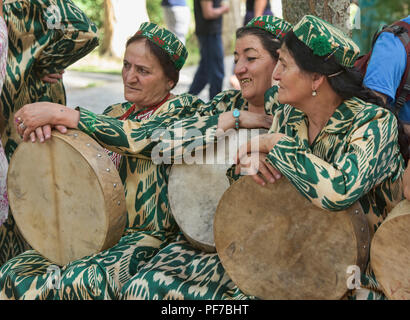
[37,119]
[251,158]
[44,133]
[255,165]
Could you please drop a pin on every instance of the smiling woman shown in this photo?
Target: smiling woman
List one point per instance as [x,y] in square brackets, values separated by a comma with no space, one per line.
[254,60]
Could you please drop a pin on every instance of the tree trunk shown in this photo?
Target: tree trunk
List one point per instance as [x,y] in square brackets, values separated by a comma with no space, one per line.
[231,21]
[335,12]
[122,19]
[105,47]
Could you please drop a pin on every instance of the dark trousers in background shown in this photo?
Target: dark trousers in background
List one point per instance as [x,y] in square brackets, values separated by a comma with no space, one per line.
[211,66]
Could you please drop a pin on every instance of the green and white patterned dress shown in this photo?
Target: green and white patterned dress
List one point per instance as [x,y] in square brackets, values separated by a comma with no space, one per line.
[45,36]
[150,225]
[355,157]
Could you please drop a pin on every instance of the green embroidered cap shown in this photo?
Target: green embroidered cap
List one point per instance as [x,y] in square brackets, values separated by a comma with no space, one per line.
[326,40]
[278,27]
[166,40]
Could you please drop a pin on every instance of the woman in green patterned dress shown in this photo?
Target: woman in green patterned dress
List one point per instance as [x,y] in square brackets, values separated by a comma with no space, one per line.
[45,37]
[330,137]
[152,62]
[131,138]
[337,145]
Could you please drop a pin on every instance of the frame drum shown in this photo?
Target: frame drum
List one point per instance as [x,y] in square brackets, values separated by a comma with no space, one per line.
[390,255]
[66,196]
[194,190]
[275,244]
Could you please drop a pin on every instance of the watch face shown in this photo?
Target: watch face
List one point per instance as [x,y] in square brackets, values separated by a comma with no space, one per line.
[236,113]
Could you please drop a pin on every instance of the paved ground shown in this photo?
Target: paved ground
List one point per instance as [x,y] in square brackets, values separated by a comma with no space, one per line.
[96,91]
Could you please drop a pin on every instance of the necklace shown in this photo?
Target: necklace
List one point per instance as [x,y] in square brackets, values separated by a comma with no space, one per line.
[141,115]
[144,113]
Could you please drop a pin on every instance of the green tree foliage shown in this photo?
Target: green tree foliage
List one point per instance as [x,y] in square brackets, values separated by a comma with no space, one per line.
[93,9]
[392,10]
[155,11]
[373,15]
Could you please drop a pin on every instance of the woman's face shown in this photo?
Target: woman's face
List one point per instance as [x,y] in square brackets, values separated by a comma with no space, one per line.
[295,86]
[253,68]
[145,83]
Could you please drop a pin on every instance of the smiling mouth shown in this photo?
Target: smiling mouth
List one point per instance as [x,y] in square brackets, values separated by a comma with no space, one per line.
[247,80]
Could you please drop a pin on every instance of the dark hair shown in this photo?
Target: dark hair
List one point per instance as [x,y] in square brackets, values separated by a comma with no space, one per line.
[347,84]
[268,40]
[164,59]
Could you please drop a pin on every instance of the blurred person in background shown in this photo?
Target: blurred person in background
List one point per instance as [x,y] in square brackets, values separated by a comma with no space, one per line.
[208,28]
[177,16]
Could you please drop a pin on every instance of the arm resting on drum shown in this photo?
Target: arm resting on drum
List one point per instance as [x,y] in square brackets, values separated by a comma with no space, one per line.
[73,38]
[137,137]
[371,156]
[185,125]
[211,122]
[191,134]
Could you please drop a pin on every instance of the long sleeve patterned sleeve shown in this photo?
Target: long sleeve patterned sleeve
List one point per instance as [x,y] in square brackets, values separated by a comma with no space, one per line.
[72,35]
[180,126]
[45,36]
[356,151]
[134,137]
[194,133]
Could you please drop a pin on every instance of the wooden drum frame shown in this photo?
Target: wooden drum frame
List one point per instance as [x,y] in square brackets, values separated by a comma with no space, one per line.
[66,196]
[275,244]
[390,255]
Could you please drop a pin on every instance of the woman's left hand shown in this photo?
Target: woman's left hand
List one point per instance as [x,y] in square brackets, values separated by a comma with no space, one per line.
[44,133]
[32,117]
[251,158]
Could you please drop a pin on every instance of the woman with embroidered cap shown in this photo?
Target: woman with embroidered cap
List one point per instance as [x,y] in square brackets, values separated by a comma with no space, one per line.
[331,137]
[256,58]
[179,271]
[152,61]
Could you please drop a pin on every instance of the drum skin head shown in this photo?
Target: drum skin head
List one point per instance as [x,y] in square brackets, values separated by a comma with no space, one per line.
[63,198]
[275,244]
[194,190]
[390,255]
